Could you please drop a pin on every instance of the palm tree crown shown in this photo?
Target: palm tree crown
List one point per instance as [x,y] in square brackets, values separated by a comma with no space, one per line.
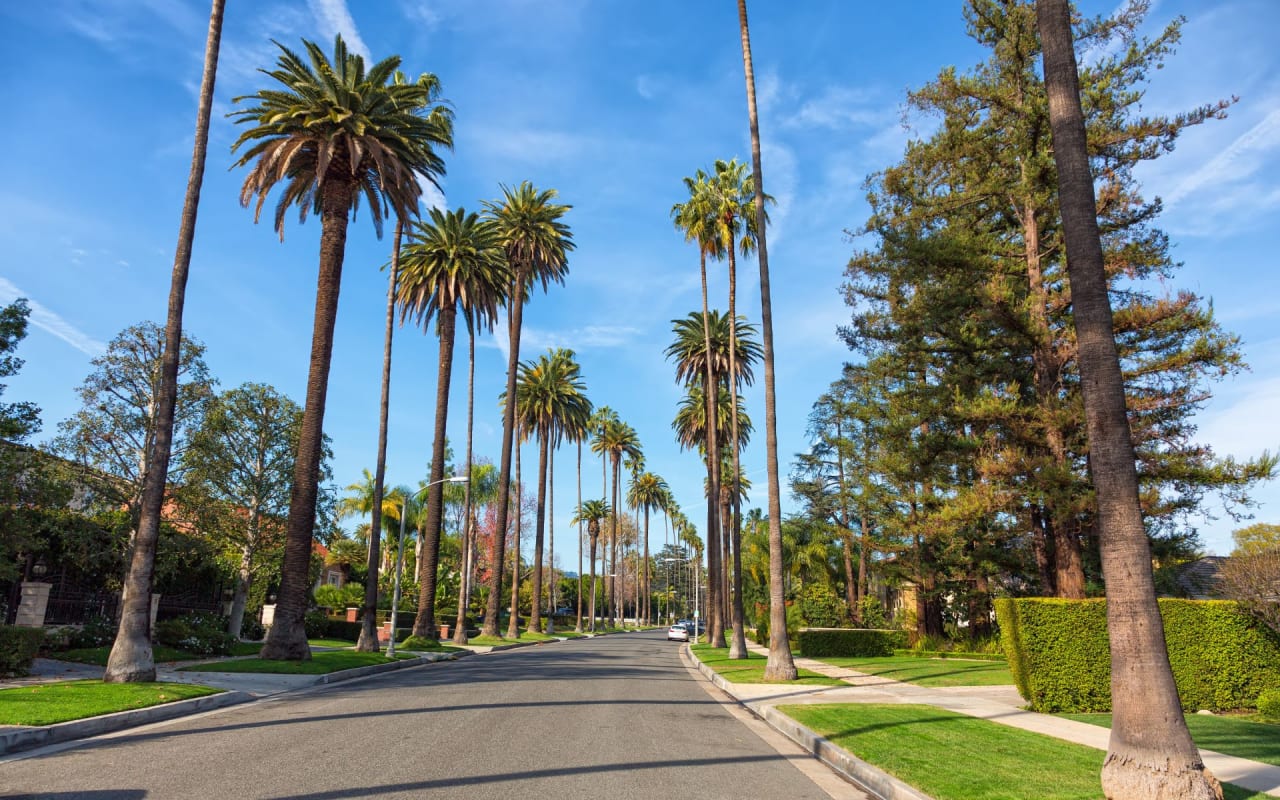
[536,241]
[689,350]
[335,122]
[453,260]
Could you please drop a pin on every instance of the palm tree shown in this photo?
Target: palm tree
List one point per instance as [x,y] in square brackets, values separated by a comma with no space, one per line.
[732,197]
[780,666]
[696,218]
[334,132]
[1151,751]
[131,659]
[618,440]
[368,640]
[453,260]
[593,512]
[479,491]
[537,245]
[648,491]
[364,496]
[550,398]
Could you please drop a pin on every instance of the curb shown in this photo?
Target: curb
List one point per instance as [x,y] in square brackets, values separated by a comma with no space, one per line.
[12,741]
[858,772]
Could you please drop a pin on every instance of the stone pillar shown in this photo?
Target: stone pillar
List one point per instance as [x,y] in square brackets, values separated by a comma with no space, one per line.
[155,606]
[34,602]
[268,614]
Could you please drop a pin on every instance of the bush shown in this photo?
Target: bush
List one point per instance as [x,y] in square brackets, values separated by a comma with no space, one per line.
[316,623]
[873,615]
[850,642]
[1059,655]
[340,629]
[251,629]
[1269,704]
[18,648]
[200,633]
[95,632]
[821,607]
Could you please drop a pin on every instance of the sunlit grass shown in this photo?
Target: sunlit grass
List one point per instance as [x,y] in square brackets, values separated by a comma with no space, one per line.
[50,703]
[751,669]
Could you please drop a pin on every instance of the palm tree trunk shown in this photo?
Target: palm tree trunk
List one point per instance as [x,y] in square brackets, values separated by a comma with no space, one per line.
[738,645]
[428,568]
[464,591]
[551,541]
[648,595]
[577,628]
[535,613]
[504,471]
[131,658]
[715,629]
[780,666]
[368,642]
[614,611]
[1151,753]
[513,624]
[594,538]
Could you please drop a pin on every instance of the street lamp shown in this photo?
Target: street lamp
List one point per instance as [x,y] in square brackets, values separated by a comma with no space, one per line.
[395,595]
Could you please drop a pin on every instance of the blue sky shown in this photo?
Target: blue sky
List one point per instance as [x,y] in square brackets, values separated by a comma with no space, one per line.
[610,103]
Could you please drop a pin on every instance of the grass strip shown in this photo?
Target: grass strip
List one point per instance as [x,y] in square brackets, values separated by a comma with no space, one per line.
[929,671]
[339,643]
[751,669]
[320,664]
[498,641]
[950,756]
[1239,736]
[49,703]
[160,653]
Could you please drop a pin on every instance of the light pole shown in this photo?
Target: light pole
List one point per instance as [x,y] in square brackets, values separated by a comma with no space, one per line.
[395,595]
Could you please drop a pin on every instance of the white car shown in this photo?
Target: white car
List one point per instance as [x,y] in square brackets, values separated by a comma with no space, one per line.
[677,633]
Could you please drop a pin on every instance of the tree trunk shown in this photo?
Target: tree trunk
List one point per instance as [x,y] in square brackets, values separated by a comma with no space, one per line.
[468,534]
[535,613]
[368,641]
[504,471]
[577,628]
[244,582]
[513,624]
[715,629]
[551,541]
[131,658]
[738,644]
[1151,754]
[424,624]
[780,667]
[614,610]
[594,536]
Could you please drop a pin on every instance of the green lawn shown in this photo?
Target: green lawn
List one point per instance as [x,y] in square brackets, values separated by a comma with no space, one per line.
[979,760]
[321,663]
[930,671]
[751,669]
[48,703]
[161,653]
[497,641]
[341,643]
[1243,737]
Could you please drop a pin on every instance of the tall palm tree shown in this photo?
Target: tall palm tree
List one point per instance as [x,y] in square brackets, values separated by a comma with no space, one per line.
[481,490]
[131,659]
[368,639]
[1151,752]
[648,492]
[593,512]
[696,218]
[452,260]
[364,497]
[780,666]
[733,196]
[537,244]
[618,440]
[332,133]
[550,398]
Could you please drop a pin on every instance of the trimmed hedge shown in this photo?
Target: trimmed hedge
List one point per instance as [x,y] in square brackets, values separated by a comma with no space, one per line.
[18,648]
[1059,655]
[341,629]
[849,642]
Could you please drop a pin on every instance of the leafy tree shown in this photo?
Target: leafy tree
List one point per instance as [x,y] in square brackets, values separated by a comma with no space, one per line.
[18,421]
[111,438]
[238,470]
[1257,538]
[537,245]
[454,260]
[331,132]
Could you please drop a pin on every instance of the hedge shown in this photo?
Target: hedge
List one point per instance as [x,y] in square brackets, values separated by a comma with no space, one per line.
[1059,655]
[849,642]
[18,648]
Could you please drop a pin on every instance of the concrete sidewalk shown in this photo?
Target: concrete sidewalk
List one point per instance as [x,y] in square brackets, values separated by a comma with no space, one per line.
[1001,704]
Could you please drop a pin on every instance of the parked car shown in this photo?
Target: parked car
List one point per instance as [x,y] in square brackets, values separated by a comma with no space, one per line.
[690,625]
[677,633]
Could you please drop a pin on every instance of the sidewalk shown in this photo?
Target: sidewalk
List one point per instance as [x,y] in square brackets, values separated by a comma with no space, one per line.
[1001,704]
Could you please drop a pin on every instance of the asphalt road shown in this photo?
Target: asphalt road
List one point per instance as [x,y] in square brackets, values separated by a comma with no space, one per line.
[613,717]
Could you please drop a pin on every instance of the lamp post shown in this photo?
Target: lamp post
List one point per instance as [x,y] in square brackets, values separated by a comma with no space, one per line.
[395,595]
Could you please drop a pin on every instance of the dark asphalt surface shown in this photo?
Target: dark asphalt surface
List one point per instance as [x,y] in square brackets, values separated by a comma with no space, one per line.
[612,717]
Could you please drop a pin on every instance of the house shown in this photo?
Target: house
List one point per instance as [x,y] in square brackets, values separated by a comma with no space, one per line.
[1201,579]
[330,574]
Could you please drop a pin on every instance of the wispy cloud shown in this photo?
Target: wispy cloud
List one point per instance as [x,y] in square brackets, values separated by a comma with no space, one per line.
[841,108]
[335,18]
[589,337]
[535,146]
[51,323]
[431,196]
[1239,161]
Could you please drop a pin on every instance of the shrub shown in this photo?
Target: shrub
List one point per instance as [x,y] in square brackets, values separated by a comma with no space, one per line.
[56,639]
[200,633]
[873,615]
[821,607]
[95,632]
[1269,704]
[251,629]
[18,648]
[849,642]
[341,629]
[1058,651]
[316,623]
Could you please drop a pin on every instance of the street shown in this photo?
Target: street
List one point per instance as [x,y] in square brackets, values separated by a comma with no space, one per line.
[611,717]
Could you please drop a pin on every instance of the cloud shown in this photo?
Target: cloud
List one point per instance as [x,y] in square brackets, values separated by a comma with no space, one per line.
[589,337]
[431,196]
[1240,160]
[840,108]
[647,86]
[535,146]
[51,323]
[335,18]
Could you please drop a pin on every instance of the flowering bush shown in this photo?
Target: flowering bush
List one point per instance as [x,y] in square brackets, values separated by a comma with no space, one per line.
[200,633]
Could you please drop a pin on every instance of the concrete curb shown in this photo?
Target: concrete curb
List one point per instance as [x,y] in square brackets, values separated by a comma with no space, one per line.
[13,741]
[858,772]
